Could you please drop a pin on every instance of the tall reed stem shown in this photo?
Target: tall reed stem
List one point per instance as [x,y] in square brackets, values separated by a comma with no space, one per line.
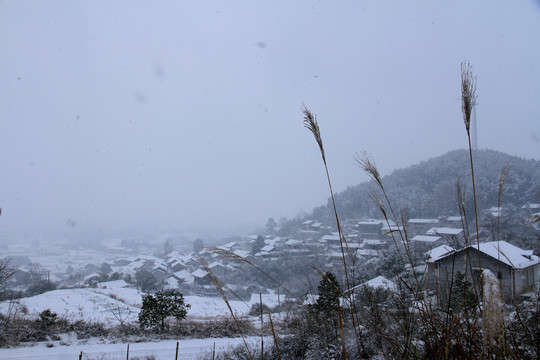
[468,102]
[310,122]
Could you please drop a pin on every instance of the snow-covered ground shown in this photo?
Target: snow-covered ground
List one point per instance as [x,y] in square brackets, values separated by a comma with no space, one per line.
[188,349]
[113,299]
[106,304]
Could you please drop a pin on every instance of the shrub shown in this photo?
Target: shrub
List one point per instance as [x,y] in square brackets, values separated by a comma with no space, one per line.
[166,303]
[47,318]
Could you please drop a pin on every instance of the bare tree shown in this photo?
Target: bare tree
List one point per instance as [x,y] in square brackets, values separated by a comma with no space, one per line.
[120,310]
[6,271]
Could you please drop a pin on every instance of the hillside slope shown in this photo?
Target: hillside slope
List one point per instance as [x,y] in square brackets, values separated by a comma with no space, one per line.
[429,188]
[112,300]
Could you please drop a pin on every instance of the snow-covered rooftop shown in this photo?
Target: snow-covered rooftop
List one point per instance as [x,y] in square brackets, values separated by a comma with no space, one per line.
[373,222]
[501,250]
[375,283]
[373,242]
[215,264]
[381,282]
[439,252]
[293,242]
[228,246]
[426,238]
[199,273]
[267,248]
[391,227]
[330,237]
[241,253]
[366,252]
[273,241]
[495,211]
[509,254]
[423,221]
[184,275]
[444,231]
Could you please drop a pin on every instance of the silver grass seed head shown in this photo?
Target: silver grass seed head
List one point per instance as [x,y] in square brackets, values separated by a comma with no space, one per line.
[310,122]
[468,92]
[367,164]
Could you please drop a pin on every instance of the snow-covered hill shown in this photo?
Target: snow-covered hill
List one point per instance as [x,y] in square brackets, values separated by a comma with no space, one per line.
[112,300]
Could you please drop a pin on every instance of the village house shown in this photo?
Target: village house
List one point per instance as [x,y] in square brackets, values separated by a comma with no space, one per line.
[517,269]
[369,228]
[423,243]
[420,226]
[374,244]
[531,208]
[293,244]
[176,265]
[391,230]
[332,239]
[201,277]
[306,225]
[160,271]
[452,236]
[177,279]
[452,221]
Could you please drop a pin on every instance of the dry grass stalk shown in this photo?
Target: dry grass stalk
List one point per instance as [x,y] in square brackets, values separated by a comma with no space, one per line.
[274,334]
[502,180]
[367,164]
[218,285]
[463,214]
[242,259]
[310,122]
[468,101]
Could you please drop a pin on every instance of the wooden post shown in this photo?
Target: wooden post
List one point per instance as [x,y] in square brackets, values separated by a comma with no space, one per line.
[214,352]
[262,335]
[80,356]
[127,355]
[260,306]
[177,345]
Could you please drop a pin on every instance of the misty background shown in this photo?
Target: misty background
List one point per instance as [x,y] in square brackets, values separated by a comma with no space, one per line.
[187,115]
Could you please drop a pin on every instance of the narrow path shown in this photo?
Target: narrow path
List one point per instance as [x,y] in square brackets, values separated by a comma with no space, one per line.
[188,349]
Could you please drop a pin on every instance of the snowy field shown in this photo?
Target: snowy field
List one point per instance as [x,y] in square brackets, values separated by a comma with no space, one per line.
[188,349]
[105,304]
[112,299]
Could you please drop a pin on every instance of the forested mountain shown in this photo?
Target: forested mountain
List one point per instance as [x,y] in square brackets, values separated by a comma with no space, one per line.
[428,189]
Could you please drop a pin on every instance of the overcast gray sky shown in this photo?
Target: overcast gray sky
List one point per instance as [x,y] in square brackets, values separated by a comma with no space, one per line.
[187,114]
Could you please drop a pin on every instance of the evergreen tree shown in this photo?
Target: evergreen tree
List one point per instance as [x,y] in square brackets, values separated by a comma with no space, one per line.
[156,308]
[463,296]
[168,247]
[270,225]
[198,245]
[329,293]
[145,280]
[258,245]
